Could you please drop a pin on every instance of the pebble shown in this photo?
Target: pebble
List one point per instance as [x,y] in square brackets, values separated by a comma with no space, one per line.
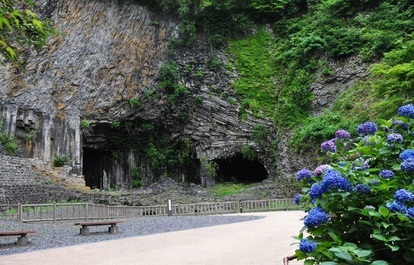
[66,233]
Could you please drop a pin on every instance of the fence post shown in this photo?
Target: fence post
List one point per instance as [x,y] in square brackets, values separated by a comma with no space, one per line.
[240,206]
[19,212]
[86,211]
[169,207]
[54,212]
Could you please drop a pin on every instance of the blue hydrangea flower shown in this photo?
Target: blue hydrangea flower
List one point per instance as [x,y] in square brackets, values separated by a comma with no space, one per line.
[399,124]
[406,111]
[369,140]
[407,154]
[408,165]
[342,134]
[328,146]
[360,164]
[307,246]
[403,195]
[396,207]
[303,174]
[316,217]
[410,212]
[367,128]
[395,138]
[334,180]
[374,182]
[297,199]
[386,174]
[361,188]
[315,191]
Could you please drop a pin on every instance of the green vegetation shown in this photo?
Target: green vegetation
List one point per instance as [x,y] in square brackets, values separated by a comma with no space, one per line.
[8,143]
[210,166]
[227,189]
[255,85]
[59,161]
[360,206]
[19,26]
[136,177]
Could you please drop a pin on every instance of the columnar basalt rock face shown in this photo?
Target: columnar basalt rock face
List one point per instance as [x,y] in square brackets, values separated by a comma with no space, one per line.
[107,54]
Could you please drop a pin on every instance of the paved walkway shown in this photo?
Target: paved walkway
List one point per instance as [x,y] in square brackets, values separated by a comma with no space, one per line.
[260,242]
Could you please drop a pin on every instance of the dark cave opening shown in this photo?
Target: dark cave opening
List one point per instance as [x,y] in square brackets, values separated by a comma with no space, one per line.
[239,169]
[93,167]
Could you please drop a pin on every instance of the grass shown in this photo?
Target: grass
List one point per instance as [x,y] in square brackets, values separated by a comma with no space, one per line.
[227,189]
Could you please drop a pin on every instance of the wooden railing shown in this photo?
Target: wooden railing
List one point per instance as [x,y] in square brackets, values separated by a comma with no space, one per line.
[89,211]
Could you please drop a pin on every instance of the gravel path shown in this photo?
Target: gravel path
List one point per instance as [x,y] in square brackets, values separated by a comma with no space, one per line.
[60,234]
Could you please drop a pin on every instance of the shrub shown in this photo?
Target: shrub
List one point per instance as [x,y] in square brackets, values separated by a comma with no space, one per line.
[59,161]
[360,206]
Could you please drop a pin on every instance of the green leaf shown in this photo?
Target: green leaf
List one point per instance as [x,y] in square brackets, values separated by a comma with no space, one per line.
[393,247]
[363,253]
[4,21]
[379,262]
[37,24]
[329,263]
[383,211]
[335,238]
[343,255]
[11,52]
[309,262]
[379,237]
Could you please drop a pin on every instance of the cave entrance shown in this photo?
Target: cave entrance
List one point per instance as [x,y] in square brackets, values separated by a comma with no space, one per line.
[241,170]
[93,167]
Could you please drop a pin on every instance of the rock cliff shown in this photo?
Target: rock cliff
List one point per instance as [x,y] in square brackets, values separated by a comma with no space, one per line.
[92,96]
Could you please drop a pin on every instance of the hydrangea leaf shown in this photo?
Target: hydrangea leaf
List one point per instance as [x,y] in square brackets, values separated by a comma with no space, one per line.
[379,262]
[383,211]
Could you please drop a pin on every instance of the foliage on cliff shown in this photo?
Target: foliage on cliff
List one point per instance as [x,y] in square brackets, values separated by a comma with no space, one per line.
[20,26]
[278,65]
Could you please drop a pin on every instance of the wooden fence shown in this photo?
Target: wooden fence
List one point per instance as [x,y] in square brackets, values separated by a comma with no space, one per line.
[90,211]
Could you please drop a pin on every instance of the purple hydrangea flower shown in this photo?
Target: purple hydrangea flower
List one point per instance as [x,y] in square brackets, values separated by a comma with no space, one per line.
[408,165]
[320,169]
[334,180]
[396,207]
[315,191]
[362,188]
[297,199]
[328,146]
[395,138]
[403,195]
[386,174]
[360,164]
[367,128]
[406,111]
[399,124]
[407,154]
[307,246]
[303,174]
[315,217]
[410,212]
[342,134]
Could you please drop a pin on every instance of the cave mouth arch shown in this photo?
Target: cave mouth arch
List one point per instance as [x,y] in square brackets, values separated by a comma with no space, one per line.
[93,167]
[241,170]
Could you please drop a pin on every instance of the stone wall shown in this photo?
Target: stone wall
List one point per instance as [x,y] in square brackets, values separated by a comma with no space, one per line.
[21,182]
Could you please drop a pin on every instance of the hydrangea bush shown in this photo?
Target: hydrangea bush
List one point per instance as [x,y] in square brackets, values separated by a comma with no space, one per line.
[359,203]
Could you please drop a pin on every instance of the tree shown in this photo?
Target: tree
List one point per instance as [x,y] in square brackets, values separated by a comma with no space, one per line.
[19,28]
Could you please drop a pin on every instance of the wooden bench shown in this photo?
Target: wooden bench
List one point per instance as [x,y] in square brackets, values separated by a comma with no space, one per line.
[113,229]
[22,239]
